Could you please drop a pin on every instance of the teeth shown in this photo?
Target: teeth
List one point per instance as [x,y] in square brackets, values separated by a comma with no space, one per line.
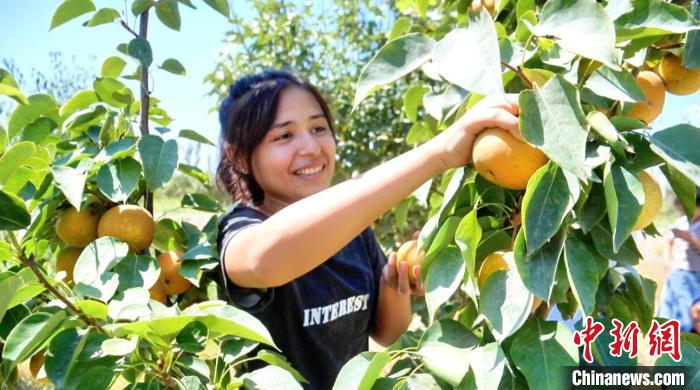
[309,171]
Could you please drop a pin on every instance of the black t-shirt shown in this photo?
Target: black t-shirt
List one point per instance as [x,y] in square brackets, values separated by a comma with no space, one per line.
[321,319]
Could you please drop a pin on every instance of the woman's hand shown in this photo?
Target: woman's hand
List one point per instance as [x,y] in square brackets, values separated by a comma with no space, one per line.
[399,279]
[458,139]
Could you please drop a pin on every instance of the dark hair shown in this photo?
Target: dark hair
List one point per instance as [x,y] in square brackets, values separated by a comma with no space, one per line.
[246,115]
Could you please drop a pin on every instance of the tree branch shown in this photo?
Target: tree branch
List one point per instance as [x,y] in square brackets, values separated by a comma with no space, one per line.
[29,262]
[519,72]
[145,100]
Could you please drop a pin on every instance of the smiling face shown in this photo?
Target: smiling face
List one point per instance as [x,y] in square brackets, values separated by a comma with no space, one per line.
[297,156]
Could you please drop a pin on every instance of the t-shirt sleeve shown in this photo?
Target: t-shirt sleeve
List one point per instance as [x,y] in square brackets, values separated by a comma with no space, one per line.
[232,223]
[378,260]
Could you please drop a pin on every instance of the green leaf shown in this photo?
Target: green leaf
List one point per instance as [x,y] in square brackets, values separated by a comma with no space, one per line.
[71,181]
[139,6]
[195,136]
[159,160]
[78,101]
[173,66]
[616,85]
[441,105]
[594,209]
[119,347]
[457,60]
[581,27]
[220,6]
[412,101]
[691,48]
[9,87]
[219,318]
[137,271]
[445,361]
[537,271]
[544,344]
[467,237]
[683,187]
[8,287]
[14,157]
[202,202]
[38,130]
[400,27]
[116,150]
[25,114]
[129,305]
[394,60]
[72,356]
[169,235]
[624,197]
[28,336]
[505,302]
[362,371]
[90,273]
[678,146]
[444,277]
[551,118]
[140,49]
[450,332]
[488,363]
[119,179]
[14,213]
[103,16]
[278,360]
[551,193]
[582,270]
[194,172]
[602,126]
[112,92]
[113,67]
[602,240]
[69,10]
[3,139]
[654,18]
[192,337]
[169,13]
[93,308]
[270,377]
[690,362]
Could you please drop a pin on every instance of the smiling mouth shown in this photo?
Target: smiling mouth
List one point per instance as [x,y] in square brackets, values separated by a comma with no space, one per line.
[309,171]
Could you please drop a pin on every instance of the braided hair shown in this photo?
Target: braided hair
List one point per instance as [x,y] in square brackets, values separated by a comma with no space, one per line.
[246,115]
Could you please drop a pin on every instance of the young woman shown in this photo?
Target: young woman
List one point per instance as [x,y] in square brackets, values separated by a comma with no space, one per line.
[297,252]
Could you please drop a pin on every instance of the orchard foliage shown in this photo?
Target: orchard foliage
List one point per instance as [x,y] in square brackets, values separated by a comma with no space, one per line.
[573,64]
[96,316]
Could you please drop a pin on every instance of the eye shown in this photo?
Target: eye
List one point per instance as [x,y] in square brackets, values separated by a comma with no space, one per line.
[282,136]
[320,129]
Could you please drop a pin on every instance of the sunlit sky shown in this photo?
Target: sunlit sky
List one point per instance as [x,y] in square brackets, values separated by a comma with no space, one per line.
[25,38]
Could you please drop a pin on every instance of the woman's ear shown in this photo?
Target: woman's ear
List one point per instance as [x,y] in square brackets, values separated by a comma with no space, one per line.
[236,159]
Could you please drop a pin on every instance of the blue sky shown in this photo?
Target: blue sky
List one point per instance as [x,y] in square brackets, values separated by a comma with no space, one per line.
[25,38]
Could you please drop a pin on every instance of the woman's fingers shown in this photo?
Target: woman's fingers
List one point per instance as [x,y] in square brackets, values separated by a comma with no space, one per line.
[404,284]
[417,288]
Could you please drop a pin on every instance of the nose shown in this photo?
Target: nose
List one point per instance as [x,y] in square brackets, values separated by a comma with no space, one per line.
[308,145]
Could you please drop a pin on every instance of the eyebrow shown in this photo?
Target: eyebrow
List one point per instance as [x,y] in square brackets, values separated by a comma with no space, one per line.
[284,124]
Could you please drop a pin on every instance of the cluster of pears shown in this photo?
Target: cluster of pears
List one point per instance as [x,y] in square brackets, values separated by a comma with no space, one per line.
[668,76]
[131,224]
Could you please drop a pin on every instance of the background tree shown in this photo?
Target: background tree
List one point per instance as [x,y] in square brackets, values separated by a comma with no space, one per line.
[330,52]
